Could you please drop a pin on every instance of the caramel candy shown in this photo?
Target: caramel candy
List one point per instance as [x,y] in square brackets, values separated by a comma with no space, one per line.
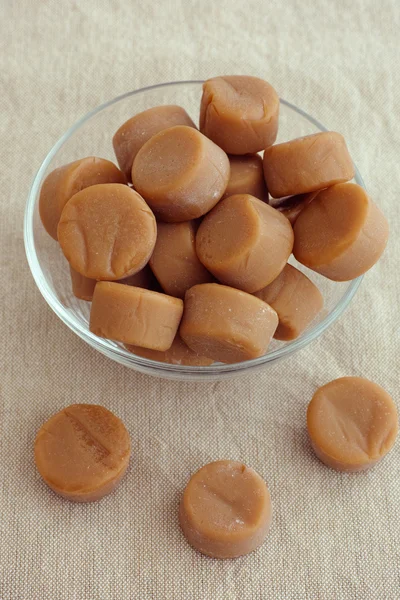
[225,511]
[107,232]
[226,324]
[62,183]
[178,354]
[133,134]
[82,452]
[307,164]
[296,301]
[292,206]
[247,177]
[135,316]
[239,113]
[352,423]
[174,260]
[180,173]
[244,242]
[341,234]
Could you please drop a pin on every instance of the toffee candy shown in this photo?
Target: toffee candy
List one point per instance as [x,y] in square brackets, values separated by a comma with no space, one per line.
[239,113]
[225,511]
[62,183]
[82,452]
[133,134]
[341,233]
[226,324]
[174,261]
[180,173]
[296,300]
[247,177]
[244,242]
[178,354]
[307,164]
[107,232]
[135,316]
[352,423]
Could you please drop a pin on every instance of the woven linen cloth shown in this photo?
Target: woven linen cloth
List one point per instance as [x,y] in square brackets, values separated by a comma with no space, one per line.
[333,536]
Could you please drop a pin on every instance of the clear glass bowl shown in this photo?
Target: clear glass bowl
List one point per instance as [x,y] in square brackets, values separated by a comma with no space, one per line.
[92,135]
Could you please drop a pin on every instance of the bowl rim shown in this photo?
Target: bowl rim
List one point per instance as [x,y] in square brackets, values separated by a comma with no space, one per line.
[110,348]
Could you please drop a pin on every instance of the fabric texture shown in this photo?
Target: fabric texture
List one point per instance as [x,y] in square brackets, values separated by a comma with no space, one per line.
[333,536]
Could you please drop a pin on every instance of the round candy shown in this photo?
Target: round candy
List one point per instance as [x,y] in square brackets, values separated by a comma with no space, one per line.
[107,232]
[352,423]
[134,315]
[307,164]
[225,510]
[341,233]
[239,113]
[82,452]
[180,173]
[226,324]
[244,242]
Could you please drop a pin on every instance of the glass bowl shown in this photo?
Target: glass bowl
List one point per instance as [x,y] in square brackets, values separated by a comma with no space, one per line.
[91,136]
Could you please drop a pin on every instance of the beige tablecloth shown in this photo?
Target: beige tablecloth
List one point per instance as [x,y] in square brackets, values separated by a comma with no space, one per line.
[333,536]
